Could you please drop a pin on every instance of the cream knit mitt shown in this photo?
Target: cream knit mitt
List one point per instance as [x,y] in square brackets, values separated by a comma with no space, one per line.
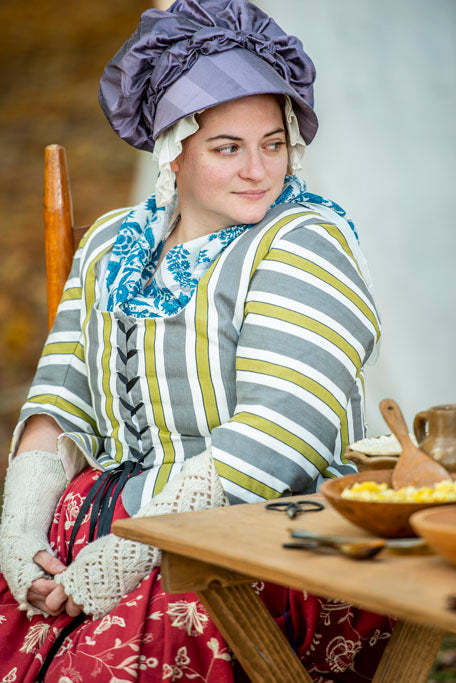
[110,567]
[34,482]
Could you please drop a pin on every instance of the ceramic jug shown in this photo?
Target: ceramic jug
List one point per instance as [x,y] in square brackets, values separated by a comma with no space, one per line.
[435,430]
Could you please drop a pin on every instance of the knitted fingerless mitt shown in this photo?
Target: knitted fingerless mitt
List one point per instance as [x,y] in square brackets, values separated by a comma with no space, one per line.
[110,567]
[33,485]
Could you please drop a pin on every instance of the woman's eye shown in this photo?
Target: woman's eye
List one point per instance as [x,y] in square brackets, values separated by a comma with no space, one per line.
[275,146]
[227,150]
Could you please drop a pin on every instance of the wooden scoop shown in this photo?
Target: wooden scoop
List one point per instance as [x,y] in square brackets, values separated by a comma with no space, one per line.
[414,467]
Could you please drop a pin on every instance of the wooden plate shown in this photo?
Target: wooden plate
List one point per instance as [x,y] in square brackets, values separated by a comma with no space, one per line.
[371,462]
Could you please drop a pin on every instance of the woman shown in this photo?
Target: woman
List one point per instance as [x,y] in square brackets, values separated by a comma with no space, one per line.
[208,350]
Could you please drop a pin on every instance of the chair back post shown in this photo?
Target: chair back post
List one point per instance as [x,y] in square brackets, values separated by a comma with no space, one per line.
[58,226]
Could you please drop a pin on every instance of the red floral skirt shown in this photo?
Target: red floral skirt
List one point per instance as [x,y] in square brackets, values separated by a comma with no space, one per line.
[154,636]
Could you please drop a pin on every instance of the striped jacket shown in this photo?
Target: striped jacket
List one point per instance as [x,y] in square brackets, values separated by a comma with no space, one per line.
[265,363]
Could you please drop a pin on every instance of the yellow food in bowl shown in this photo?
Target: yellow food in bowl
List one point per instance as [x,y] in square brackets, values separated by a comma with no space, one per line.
[373,492]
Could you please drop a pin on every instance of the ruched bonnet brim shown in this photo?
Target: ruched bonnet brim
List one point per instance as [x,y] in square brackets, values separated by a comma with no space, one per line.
[195,55]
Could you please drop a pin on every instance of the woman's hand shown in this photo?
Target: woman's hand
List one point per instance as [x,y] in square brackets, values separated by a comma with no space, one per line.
[46,594]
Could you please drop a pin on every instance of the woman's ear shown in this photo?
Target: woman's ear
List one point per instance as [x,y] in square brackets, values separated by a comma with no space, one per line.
[175,164]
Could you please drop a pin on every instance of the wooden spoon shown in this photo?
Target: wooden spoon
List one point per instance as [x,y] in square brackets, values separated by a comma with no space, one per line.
[414,467]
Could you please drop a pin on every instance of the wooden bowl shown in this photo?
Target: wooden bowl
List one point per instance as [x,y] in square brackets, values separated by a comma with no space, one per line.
[381,519]
[438,528]
[366,462]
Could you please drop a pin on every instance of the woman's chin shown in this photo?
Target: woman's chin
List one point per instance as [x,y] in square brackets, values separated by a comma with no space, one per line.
[250,215]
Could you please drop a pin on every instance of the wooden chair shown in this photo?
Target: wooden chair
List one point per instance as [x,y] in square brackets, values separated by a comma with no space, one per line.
[61,238]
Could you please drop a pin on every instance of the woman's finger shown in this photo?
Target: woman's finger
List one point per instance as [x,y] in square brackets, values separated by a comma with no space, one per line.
[52,565]
[43,586]
[56,600]
[38,592]
[72,609]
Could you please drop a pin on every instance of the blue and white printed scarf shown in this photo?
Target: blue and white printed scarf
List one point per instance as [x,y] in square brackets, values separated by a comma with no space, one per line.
[140,241]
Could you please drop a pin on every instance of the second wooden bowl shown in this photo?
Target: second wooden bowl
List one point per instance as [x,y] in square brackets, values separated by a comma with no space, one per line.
[438,528]
[381,519]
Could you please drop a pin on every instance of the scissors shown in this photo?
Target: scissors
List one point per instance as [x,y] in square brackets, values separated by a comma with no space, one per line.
[293,508]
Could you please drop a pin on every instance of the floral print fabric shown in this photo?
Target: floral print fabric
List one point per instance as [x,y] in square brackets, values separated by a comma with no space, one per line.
[138,288]
[153,636]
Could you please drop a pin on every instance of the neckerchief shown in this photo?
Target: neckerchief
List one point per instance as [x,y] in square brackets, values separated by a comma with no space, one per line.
[139,243]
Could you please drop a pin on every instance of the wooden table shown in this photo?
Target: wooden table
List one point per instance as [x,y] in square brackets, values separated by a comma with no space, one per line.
[217,553]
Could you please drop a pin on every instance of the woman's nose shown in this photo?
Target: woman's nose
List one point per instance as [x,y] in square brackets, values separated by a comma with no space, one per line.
[253,166]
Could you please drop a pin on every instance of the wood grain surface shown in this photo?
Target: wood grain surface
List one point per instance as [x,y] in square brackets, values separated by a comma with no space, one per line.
[247,539]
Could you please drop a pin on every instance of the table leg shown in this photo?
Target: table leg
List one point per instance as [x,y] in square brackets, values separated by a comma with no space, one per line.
[240,616]
[409,654]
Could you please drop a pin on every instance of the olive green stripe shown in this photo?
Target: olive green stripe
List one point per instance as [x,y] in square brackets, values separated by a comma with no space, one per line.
[283,435]
[265,243]
[89,285]
[301,320]
[157,406]
[65,405]
[71,294]
[310,385]
[307,266]
[99,222]
[244,481]
[338,235]
[203,366]
[163,476]
[201,321]
[70,348]
[330,475]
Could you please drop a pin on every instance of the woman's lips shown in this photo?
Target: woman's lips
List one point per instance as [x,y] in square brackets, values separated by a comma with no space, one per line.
[252,195]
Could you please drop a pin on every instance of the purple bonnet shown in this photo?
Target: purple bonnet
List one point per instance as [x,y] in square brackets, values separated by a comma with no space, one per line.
[195,55]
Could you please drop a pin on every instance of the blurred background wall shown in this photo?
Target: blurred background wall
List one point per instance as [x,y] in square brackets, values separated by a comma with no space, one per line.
[385,97]
[51,57]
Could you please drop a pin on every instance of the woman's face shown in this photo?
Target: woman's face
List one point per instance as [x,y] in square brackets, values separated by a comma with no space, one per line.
[232,169]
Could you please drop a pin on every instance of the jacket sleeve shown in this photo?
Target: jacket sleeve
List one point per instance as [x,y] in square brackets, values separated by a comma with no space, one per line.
[60,387]
[310,324]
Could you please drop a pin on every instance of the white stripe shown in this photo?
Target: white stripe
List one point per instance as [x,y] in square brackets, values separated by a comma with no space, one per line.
[314,313]
[86,263]
[329,267]
[71,283]
[164,394]
[274,444]
[338,447]
[69,305]
[302,333]
[63,359]
[285,422]
[350,424]
[51,408]
[61,337]
[293,364]
[247,469]
[141,327]
[303,276]
[149,485]
[244,282]
[293,390]
[116,410]
[213,333]
[192,373]
[331,216]
[64,393]
[97,326]
[247,496]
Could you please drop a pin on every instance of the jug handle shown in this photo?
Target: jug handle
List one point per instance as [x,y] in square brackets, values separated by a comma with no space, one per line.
[419,425]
